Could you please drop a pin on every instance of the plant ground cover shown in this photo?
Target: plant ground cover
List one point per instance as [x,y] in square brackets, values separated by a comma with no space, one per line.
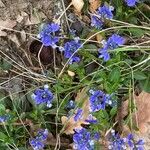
[74,75]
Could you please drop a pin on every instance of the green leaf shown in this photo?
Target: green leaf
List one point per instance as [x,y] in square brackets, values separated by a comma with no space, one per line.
[114,75]
[3,137]
[136,32]
[113,111]
[90,47]
[2,108]
[138,75]
[145,84]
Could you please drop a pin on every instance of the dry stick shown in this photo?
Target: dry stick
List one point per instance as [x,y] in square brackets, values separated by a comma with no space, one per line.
[40,59]
[65,9]
[57,21]
[32,35]
[29,71]
[118,27]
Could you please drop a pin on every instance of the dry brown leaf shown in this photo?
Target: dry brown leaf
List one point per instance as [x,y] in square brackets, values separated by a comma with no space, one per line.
[78,5]
[99,37]
[30,20]
[94,4]
[143,111]
[21,16]
[7,24]
[69,123]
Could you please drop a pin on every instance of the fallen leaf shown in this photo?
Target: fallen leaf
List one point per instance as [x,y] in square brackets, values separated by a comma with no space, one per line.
[69,123]
[7,24]
[32,20]
[78,5]
[99,37]
[142,114]
[143,110]
[94,4]
[21,16]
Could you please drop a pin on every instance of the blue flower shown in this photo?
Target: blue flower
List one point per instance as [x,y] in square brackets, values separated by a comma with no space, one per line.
[78,114]
[105,12]
[96,22]
[47,34]
[104,54]
[3,118]
[42,135]
[112,43]
[131,3]
[83,140]
[54,27]
[43,96]
[97,101]
[70,48]
[37,142]
[96,136]
[138,145]
[116,142]
[91,119]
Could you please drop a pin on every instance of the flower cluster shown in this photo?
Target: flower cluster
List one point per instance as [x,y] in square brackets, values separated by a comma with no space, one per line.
[43,96]
[113,42]
[91,119]
[118,143]
[96,22]
[138,145]
[104,12]
[47,34]
[78,114]
[131,3]
[37,143]
[84,140]
[98,100]
[69,49]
